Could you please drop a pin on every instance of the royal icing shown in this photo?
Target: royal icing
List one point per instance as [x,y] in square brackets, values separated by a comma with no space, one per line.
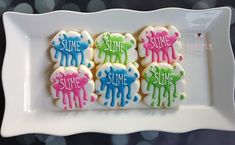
[72,49]
[163,84]
[160,44]
[115,48]
[73,87]
[118,84]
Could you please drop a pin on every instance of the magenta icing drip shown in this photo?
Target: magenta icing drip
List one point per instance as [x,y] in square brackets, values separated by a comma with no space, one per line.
[160,42]
[71,83]
[93,98]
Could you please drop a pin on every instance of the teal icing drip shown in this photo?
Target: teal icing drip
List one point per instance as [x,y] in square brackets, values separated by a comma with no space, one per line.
[115,87]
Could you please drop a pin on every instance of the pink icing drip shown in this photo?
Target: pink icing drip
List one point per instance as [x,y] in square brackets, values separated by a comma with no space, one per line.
[155,47]
[181,58]
[93,98]
[66,88]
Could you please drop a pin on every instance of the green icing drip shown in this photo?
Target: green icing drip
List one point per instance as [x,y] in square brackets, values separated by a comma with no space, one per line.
[163,78]
[114,46]
[182,97]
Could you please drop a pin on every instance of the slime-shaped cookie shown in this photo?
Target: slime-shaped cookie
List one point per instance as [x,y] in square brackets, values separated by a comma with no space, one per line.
[160,44]
[72,87]
[117,84]
[163,84]
[115,48]
[72,49]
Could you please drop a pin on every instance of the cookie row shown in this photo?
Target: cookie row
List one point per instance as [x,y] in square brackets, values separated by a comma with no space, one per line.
[154,43]
[117,76]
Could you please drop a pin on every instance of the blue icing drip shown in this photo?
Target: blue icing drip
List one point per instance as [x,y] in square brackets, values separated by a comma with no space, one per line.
[105,103]
[99,73]
[53,42]
[136,75]
[70,46]
[135,99]
[115,82]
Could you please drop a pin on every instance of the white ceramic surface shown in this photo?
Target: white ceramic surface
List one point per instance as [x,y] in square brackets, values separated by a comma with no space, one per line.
[208,62]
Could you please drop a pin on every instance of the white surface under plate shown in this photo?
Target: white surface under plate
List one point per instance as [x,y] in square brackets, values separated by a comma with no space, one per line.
[208,62]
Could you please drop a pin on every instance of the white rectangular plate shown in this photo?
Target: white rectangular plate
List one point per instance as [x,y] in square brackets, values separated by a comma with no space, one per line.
[209,64]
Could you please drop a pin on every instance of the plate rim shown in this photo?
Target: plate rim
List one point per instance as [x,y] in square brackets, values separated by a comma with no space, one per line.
[4,131]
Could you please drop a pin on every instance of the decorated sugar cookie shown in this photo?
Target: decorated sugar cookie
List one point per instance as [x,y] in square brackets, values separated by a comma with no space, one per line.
[118,84]
[73,87]
[160,44]
[72,49]
[115,48]
[164,85]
